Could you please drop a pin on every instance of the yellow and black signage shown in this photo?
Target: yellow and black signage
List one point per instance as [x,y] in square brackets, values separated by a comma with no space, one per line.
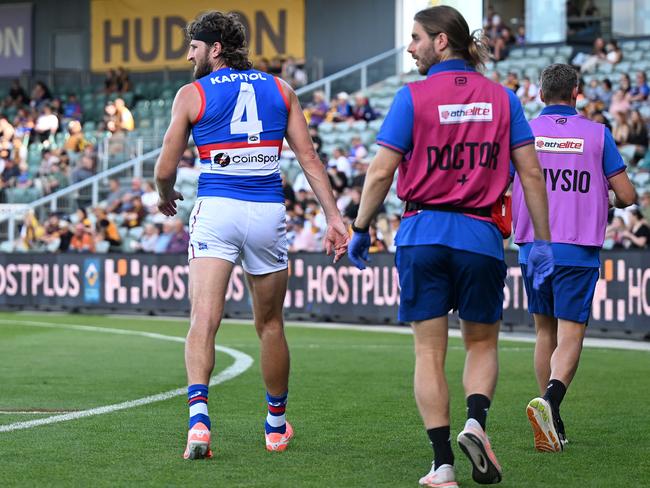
[149,34]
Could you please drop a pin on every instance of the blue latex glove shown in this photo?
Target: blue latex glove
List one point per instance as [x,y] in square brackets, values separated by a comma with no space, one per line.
[540,262]
[358,249]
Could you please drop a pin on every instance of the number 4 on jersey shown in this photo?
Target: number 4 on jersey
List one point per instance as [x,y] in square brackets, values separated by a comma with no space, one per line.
[246,102]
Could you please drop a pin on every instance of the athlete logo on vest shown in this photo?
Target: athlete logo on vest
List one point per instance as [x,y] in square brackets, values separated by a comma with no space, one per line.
[566,145]
[465,112]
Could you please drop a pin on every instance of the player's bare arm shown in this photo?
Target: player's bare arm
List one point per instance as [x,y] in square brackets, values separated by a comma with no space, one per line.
[336,236]
[184,110]
[379,178]
[532,180]
[623,190]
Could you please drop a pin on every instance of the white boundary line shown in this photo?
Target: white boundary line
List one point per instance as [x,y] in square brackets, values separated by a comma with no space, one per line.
[621,344]
[242,363]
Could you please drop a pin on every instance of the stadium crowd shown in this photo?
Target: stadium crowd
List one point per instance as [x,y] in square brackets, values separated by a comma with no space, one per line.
[45,145]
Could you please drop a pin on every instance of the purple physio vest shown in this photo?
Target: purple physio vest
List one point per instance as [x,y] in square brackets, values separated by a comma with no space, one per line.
[461,142]
[570,151]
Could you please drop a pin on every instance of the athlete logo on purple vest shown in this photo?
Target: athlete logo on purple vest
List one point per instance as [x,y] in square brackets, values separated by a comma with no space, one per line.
[568,145]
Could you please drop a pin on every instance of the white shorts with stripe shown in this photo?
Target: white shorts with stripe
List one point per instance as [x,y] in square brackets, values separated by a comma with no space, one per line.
[226,228]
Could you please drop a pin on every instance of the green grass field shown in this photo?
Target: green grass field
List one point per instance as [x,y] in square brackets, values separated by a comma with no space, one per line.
[350,402]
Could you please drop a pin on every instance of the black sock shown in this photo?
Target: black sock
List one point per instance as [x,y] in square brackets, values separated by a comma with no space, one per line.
[440,438]
[554,395]
[477,408]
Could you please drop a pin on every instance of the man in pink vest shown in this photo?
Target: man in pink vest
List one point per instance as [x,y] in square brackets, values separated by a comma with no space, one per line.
[452,136]
[580,163]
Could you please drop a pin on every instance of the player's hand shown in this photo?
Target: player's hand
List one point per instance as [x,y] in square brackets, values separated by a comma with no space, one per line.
[336,239]
[540,262]
[358,249]
[167,203]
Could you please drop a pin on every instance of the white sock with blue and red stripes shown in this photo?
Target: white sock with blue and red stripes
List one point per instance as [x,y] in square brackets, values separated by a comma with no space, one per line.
[197,399]
[276,419]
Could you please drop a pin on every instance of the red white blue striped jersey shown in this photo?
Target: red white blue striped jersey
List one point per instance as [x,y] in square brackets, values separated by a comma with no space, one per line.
[239,133]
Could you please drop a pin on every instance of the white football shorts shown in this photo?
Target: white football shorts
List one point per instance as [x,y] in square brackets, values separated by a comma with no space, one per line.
[226,228]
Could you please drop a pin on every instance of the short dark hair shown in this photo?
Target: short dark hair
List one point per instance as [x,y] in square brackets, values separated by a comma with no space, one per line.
[557,82]
[234,49]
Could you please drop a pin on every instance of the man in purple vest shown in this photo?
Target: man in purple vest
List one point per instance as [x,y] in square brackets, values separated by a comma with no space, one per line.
[580,162]
[452,136]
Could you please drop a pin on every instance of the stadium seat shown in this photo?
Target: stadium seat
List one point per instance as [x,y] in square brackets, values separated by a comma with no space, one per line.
[102,247]
[628,45]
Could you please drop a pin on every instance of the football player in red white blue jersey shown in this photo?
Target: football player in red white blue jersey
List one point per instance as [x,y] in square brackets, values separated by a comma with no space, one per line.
[238,118]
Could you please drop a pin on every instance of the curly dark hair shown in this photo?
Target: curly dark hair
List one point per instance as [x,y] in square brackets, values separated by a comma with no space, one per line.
[234,50]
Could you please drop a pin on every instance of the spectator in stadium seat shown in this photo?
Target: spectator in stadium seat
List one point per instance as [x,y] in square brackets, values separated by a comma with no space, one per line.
[614,53]
[624,83]
[164,238]
[340,162]
[377,243]
[640,91]
[24,178]
[598,55]
[619,103]
[23,123]
[81,217]
[528,91]
[55,180]
[614,233]
[134,216]
[65,236]
[358,150]
[562,306]
[110,82]
[317,110]
[40,96]
[10,171]
[52,229]
[520,38]
[637,234]
[71,109]
[17,94]
[31,232]
[180,238]
[644,205]
[605,93]
[148,239]
[293,73]
[124,116]
[512,81]
[82,240]
[7,130]
[47,124]
[115,195]
[149,197]
[638,136]
[341,109]
[304,239]
[434,277]
[621,130]
[76,140]
[84,169]
[106,230]
[122,80]
[362,109]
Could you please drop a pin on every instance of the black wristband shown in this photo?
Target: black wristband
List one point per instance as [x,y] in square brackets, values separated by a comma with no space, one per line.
[362,230]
